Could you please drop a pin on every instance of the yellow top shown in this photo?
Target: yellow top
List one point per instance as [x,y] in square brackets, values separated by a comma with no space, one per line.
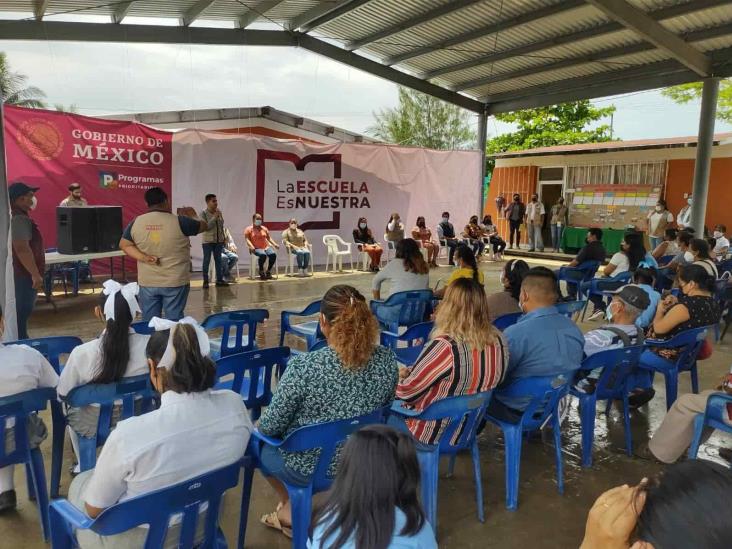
[464,273]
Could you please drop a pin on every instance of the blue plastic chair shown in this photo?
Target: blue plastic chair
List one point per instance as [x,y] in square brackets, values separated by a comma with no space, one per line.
[504,321]
[615,383]
[545,393]
[154,509]
[310,330]
[413,307]
[571,308]
[689,343]
[53,348]
[714,416]
[143,328]
[721,290]
[600,286]
[724,266]
[128,391]
[324,436]
[234,339]
[62,272]
[19,407]
[320,344]
[415,338]
[665,260]
[583,272]
[251,375]
[464,413]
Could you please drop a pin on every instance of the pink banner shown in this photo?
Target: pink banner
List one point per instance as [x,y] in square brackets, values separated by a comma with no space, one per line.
[114,161]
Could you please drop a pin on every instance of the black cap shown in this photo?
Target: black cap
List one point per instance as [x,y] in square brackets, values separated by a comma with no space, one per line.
[633,295]
[16,190]
[74,186]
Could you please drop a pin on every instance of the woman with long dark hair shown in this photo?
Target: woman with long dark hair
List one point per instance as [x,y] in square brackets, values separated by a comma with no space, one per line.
[365,241]
[490,231]
[374,501]
[467,267]
[506,301]
[422,234]
[702,256]
[406,272]
[350,377]
[116,354]
[195,430]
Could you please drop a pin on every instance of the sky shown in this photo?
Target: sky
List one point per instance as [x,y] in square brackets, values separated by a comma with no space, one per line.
[118,78]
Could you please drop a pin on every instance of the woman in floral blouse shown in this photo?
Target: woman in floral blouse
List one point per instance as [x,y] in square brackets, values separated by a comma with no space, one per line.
[351,377]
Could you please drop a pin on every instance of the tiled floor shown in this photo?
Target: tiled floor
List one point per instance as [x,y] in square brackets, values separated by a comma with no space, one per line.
[544,518]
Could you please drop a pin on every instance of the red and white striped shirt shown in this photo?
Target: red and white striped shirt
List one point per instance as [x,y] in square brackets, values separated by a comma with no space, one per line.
[449,368]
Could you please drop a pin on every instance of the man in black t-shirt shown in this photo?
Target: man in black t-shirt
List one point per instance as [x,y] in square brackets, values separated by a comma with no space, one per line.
[592,251]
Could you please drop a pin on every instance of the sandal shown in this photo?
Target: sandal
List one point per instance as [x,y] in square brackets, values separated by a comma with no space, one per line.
[272,521]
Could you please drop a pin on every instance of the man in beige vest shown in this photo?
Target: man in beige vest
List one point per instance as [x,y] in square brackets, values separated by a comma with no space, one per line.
[159,241]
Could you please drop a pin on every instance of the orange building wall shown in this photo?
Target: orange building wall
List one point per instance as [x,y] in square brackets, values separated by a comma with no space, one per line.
[680,179]
[507,182]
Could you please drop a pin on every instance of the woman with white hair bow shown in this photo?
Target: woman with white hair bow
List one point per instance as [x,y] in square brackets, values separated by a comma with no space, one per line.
[195,430]
[117,353]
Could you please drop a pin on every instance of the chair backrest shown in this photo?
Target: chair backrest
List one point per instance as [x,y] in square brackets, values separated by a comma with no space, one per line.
[665,260]
[390,244]
[569,308]
[184,498]
[320,344]
[606,284]
[688,343]
[617,365]
[504,321]
[256,368]
[328,437]
[233,324]
[415,337]
[544,392]
[719,407]
[463,413]
[412,305]
[586,268]
[51,347]
[720,291]
[18,407]
[128,391]
[142,327]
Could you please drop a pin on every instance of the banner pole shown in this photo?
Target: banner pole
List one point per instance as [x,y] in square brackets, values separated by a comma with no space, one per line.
[7,295]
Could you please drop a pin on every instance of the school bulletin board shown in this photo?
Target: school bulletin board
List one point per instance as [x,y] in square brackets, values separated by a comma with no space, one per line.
[612,206]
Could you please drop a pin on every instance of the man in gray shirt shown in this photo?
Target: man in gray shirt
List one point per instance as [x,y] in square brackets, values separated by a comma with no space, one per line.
[213,240]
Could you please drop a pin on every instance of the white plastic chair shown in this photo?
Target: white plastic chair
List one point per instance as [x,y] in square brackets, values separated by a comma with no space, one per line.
[292,260]
[333,244]
[254,266]
[212,269]
[389,248]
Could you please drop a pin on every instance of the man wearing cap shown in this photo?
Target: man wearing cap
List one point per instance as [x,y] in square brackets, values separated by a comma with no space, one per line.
[74,200]
[29,260]
[627,305]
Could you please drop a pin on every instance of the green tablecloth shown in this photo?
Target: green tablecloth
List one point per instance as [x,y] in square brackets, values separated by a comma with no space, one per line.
[573,238]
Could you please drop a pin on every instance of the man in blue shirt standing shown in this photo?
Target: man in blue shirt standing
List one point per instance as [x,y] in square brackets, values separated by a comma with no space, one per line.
[542,343]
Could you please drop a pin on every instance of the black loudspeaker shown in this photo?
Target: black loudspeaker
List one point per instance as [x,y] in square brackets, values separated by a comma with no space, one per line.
[88,230]
[108,228]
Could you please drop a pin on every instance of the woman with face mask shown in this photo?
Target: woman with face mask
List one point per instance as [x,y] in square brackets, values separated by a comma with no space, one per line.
[505,301]
[721,243]
[365,241]
[394,231]
[490,231]
[297,243]
[657,220]
[423,235]
[260,244]
[474,234]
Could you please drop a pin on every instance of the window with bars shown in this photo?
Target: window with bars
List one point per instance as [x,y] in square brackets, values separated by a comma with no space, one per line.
[632,173]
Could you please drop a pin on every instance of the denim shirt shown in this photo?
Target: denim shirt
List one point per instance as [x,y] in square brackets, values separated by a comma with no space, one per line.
[542,343]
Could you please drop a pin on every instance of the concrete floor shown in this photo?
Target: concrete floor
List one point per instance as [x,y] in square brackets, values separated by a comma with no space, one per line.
[541,510]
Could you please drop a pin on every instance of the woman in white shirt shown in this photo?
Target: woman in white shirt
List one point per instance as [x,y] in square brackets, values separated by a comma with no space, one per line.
[118,353]
[408,270]
[23,369]
[658,220]
[700,250]
[194,431]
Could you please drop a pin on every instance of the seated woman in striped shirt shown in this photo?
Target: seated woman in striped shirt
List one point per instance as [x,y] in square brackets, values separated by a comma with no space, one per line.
[466,355]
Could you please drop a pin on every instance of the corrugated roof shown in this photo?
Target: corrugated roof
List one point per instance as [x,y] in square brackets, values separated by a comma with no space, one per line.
[663,143]
[482,54]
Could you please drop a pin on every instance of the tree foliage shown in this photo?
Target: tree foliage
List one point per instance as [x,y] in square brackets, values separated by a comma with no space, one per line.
[686,93]
[14,89]
[421,120]
[563,124]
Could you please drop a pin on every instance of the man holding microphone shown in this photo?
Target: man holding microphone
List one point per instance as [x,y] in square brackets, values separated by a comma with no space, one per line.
[213,240]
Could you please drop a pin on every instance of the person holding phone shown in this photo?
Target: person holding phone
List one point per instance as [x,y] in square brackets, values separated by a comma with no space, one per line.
[214,238]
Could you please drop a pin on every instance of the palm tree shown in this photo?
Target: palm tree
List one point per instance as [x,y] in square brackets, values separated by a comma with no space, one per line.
[13,89]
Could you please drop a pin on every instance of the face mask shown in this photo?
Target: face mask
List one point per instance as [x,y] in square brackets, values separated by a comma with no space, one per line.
[609,312]
[688,201]
[516,199]
[34,203]
[293,226]
[534,199]
[445,219]
[257,222]
[717,234]
[362,225]
[420,224]
[659,208]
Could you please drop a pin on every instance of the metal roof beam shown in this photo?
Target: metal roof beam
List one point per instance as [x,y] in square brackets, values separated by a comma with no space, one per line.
[252,14]
[322,13]
[121,11]
[659,15]
[195,11]
[426,17]
[694,36]
[645,77]
[377,69]
[638,21]
[489,29]
[39,8]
